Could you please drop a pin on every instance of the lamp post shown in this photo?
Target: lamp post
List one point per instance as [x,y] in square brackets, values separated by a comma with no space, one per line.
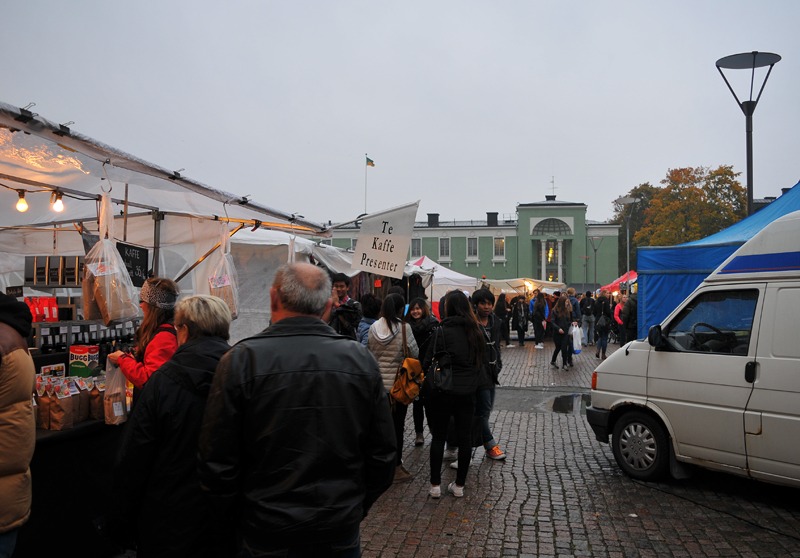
[595,248]
[748,61]
[623,202]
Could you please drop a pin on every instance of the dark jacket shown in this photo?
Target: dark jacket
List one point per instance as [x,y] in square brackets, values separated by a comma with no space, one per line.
[602,307]
[298,434]
[452,338]
[346,318]
[422,329]
[519,316]
[589,306]
[630,318]
[156,488]
[492,359]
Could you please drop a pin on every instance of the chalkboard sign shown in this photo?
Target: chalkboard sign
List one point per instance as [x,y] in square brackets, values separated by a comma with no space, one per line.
[135,258]
[15,291]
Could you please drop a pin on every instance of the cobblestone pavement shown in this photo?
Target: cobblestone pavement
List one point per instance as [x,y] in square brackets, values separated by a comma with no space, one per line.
[560,493]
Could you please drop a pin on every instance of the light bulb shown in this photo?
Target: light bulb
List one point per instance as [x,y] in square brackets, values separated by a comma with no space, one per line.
[58,205]
[22,205]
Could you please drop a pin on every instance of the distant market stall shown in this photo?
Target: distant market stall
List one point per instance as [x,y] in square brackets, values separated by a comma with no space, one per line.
[522,286]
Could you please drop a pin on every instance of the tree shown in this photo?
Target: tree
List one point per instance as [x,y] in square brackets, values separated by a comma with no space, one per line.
[695,202]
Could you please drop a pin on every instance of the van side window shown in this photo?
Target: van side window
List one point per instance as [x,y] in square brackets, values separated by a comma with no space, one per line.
[783,337]
[716,322]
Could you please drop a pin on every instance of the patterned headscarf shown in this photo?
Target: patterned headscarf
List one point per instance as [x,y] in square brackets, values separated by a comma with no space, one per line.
[157,296]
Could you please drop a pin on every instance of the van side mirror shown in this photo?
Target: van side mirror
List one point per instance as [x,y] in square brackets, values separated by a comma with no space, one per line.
[655,338]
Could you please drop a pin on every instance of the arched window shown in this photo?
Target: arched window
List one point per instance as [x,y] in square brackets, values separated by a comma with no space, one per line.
[551,227]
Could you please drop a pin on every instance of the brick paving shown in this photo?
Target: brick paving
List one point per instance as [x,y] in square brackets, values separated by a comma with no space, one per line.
[561,494]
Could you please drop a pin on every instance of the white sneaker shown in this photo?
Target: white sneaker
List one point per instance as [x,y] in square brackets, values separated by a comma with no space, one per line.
[435,491]
[454,465]
[455,490]
[540,346]
[509,346]
[450,454]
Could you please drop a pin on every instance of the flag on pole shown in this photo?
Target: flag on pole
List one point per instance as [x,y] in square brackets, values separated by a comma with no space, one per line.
[370,162]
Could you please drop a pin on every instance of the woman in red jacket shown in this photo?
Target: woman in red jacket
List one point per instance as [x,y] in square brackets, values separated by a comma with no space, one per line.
[155,339]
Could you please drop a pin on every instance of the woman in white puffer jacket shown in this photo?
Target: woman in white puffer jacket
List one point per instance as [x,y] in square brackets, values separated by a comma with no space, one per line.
[385,341]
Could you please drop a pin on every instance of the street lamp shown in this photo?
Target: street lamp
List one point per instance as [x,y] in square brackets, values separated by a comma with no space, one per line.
[595,248]
[748,61]
[623,202]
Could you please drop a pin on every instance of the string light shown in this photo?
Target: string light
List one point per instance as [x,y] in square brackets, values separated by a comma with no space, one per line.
[55,200]
[22,205]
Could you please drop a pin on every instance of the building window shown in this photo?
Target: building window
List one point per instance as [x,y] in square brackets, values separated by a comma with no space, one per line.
[416,247]
[472,248]
[551,227]
[499,248]
[444,248]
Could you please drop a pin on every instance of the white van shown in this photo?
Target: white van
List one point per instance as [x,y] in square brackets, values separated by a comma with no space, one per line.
[717,383]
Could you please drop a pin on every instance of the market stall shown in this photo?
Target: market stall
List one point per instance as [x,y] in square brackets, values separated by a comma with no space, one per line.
[52,181]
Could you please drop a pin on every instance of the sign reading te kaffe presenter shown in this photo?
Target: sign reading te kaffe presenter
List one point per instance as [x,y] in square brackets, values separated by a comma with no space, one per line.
[384,240]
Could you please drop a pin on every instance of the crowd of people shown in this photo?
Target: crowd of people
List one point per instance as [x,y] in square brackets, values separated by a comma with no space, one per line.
[279,445]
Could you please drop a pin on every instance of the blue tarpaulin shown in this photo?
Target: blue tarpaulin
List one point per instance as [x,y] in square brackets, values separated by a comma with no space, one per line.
[668,274]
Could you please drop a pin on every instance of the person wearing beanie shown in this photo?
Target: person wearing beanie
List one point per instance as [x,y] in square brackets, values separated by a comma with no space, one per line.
[17,422]
[156,339]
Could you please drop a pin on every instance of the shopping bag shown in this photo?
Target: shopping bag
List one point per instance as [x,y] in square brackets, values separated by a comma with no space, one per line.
[576,334]
[222,280]
[114,399]
[108,292]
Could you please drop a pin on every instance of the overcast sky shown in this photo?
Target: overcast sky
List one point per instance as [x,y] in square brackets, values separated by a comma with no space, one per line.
[469,106]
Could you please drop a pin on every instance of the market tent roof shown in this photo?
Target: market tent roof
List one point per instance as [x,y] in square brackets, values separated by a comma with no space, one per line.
[444,278]
[627,277]
[668,274]
[521,285]
[41,157]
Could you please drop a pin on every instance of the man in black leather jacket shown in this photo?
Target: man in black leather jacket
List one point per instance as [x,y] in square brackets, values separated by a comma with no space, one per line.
[297,436]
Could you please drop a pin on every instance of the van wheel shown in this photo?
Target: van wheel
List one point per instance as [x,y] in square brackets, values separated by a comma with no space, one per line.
[639,443]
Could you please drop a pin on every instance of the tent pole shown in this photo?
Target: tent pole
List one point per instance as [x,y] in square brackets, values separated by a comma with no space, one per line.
[125,218]
[207,254]
[157,218]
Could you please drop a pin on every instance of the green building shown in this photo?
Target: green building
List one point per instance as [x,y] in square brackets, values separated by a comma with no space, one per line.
[549,240]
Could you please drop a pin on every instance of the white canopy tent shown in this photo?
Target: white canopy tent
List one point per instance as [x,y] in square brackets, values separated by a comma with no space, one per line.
[444,279]
[177,219]
[522,286]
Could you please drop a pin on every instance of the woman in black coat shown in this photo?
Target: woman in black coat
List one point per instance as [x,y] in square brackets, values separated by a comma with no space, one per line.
[461,337]
[158,501]
[560,320]
[519,318]
[422,325]
[503,312]
[602,325]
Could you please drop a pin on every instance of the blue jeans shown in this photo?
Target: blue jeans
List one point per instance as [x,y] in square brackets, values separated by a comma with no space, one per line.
[587,328]
[347,546]
[8,541]
[484,403]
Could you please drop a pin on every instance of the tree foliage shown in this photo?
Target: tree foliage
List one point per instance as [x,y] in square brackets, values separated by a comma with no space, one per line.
[693,202]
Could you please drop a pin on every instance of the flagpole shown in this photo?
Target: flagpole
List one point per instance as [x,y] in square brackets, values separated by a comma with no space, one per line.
[365,182]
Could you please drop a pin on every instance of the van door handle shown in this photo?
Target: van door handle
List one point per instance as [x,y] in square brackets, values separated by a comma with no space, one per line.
[750,371]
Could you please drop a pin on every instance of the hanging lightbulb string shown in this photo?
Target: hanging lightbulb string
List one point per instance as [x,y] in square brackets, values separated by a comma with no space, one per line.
[22,203]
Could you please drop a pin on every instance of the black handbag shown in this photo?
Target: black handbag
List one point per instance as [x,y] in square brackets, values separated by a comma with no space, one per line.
[440,371]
